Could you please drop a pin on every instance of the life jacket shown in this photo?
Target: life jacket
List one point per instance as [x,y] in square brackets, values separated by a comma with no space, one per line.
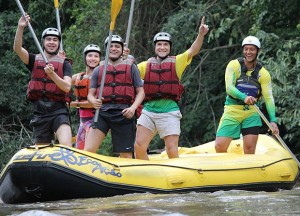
[118,84]
[249,84]
[41,86]
[81,87]
[161,80]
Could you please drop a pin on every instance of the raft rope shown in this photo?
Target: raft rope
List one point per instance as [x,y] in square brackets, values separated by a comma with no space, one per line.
[159,165]
[178,167]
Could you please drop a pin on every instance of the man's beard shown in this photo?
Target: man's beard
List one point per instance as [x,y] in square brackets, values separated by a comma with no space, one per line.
[115,58]
[52,53]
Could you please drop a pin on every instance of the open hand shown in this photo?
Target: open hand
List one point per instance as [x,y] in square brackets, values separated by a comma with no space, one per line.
[23,22]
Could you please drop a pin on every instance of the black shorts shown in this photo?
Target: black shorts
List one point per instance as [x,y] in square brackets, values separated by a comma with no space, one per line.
[251,130]
[45,126]
[123,130]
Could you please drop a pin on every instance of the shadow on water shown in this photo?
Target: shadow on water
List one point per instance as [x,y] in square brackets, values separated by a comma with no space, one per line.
[284,202]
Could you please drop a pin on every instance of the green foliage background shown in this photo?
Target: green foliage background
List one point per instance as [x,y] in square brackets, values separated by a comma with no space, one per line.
[276,23]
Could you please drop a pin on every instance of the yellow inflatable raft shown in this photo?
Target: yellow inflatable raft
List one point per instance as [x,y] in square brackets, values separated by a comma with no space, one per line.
[59,172]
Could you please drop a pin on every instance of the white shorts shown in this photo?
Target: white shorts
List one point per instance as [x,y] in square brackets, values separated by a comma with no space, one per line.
[164,124]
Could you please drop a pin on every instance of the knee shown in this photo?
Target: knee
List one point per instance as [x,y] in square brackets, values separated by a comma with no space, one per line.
[138,146]
[220,147]
[172,148]
[249,149]
[172,151]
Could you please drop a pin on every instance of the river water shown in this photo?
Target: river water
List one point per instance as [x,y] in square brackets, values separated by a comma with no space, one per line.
[235,202]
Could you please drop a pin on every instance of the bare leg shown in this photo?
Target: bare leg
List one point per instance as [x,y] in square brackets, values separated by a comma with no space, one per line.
[222,144]
[171,143]
[143,138]
[64,135]
[126,154]
[93,140]
[250,141]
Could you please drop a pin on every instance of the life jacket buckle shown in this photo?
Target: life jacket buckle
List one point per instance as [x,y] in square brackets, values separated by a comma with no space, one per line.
[158,94]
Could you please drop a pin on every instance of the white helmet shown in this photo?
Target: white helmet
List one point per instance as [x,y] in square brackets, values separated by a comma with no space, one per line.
[51,32]
[162,36]
[251,40]
[91,48]
[114,39]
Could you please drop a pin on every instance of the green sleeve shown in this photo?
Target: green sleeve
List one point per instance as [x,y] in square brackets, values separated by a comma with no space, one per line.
[231,74]
[266,88]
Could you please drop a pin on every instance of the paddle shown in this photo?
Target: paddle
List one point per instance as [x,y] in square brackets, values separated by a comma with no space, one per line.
[115,9]
[32,32]
[56,5]
[276,135]
[129,23]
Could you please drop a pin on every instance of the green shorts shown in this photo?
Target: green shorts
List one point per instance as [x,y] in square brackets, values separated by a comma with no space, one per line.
[236,118]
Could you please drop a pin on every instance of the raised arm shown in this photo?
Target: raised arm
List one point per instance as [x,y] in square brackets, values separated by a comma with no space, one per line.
[196,46]
[18,42]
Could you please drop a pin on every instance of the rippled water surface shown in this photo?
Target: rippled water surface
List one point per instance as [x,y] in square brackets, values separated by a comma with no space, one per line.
[284,202]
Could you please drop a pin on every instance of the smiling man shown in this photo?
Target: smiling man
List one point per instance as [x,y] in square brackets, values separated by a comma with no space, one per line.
[49,87]
[162,75]
[246,81]
[122,93]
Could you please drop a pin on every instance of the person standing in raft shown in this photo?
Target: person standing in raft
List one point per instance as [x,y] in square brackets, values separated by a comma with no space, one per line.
[161,75]
[49,87]
[122,93]
[246,81]
[81,83]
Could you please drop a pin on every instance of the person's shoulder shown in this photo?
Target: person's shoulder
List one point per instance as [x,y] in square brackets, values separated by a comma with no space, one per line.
[68,60]
[264,72]
[78,74]
[32,56]
[234,62]
[233,66]
[142,64]
[182,54]
[183,57]
[96,70]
